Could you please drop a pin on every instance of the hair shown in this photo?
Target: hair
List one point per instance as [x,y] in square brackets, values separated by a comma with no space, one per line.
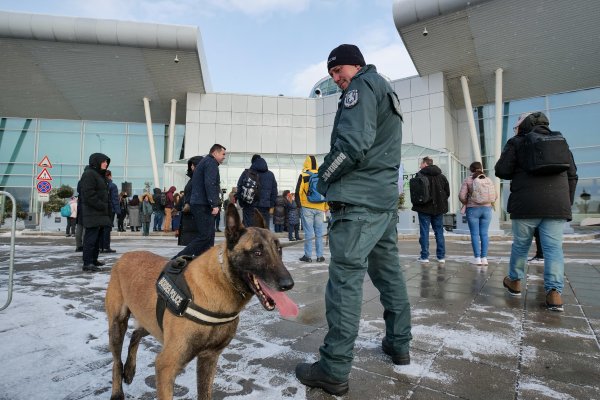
[428,160]
[254,158]
[216,147]
[476,169]
[108,173]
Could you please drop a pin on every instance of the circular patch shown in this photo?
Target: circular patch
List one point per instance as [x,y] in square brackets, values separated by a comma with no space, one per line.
[351,98]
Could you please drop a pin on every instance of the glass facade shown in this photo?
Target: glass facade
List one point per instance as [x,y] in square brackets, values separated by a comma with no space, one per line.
[68,144]
[577,116]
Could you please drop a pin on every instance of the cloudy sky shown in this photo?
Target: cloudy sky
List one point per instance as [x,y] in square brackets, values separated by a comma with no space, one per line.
[260,46]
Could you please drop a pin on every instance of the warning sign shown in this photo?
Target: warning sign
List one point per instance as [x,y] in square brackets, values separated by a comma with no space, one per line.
[44,175]
[44,187]
[45,163]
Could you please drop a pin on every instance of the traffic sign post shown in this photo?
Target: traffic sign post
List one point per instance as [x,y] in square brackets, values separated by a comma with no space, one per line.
[43,186]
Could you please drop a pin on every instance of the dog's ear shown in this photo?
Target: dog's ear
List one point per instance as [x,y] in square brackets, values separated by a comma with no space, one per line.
[234,228]
[259,221]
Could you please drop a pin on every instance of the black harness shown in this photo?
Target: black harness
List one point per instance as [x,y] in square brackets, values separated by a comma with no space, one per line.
[174,295]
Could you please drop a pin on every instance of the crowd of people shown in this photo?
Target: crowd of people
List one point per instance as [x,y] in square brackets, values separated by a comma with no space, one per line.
[354,196]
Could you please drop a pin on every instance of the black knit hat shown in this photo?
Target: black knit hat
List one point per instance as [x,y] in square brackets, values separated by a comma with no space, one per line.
[345,54]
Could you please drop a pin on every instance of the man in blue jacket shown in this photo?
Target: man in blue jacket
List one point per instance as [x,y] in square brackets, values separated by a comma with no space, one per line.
[205,201]
[359,178]
[113,194]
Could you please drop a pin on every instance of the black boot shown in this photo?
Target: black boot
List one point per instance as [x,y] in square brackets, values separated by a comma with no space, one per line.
[312,375]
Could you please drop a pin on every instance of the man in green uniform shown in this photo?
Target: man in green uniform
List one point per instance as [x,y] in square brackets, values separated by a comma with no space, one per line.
[359,178]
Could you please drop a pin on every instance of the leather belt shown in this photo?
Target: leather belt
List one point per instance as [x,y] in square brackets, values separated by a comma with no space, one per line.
[336,206]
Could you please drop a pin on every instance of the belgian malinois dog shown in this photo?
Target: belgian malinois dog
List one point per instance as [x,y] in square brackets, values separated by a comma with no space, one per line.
[222,281]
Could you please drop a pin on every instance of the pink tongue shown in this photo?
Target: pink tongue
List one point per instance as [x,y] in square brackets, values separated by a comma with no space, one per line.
[285,305]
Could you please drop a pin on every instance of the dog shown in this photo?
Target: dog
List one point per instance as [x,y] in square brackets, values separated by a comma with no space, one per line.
[222,281]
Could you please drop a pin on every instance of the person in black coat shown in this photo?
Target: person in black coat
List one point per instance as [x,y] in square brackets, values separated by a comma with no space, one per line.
[433,211]
[267,192]
[187,227]
[95,208]
[542,201]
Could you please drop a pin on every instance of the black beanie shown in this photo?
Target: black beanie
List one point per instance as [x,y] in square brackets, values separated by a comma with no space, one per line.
[345,54]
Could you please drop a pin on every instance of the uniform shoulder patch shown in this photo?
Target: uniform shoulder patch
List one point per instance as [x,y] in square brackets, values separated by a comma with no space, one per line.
[351,98]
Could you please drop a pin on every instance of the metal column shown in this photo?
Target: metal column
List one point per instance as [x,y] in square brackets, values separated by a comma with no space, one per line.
[11,258]
[151,141]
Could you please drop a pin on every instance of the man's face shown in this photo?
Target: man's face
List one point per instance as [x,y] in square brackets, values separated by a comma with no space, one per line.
[219,155]
[343,74]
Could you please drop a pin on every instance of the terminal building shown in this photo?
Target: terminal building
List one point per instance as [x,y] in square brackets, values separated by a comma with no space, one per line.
[141,93]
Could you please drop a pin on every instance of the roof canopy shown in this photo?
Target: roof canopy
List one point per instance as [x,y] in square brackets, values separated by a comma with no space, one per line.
[82,68]
[543,46]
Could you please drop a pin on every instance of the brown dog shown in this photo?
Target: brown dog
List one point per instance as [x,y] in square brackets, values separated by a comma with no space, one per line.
[222,280]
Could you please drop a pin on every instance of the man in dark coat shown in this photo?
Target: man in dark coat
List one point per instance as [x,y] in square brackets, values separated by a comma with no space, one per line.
[95,208]
[267,192]
[433,211]
[115,205]
[536,201]
[205,201]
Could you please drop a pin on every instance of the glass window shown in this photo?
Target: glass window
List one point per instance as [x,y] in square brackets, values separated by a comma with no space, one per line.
[139,151]
[111,145]
[17,146]
[580,125]
[60,147]
[60,125]
[586,154]
[588,170]
[15,180]
[104,127]
[17,124]
[574,98]
[517,107]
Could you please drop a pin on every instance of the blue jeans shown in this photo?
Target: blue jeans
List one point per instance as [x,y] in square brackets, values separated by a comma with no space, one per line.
[479,219]
[551,236]
[437,223]
[158,220]
[312,222]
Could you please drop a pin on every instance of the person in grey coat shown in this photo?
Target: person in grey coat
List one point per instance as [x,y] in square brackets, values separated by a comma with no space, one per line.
[134,213]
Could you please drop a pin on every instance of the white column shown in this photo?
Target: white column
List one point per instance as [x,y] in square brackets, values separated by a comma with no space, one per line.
[471,119]
[498,131]
[171,140]
[151,141]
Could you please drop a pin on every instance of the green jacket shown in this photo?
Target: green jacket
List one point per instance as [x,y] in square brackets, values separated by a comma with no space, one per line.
[361,167]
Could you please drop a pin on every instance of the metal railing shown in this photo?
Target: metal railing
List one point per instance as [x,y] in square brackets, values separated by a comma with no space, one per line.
[11,260]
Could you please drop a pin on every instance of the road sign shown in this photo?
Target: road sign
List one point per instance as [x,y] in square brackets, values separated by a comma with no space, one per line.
[44,187]
[44,175]
[45,163]
[43,197]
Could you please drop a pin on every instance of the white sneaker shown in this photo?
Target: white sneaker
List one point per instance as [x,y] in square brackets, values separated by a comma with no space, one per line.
[423,260]
[441,260]
[484,261]
[475,261]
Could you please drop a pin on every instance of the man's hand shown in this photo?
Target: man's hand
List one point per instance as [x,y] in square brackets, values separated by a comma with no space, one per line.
[186,208]
[215,211]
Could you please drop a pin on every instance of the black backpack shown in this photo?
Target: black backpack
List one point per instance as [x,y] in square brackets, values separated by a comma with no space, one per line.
[546,154]
[420,190]
[250,187]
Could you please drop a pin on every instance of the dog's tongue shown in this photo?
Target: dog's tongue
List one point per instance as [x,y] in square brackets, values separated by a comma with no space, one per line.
[285,305]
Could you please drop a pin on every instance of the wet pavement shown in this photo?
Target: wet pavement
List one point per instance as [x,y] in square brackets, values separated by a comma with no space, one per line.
[470,339]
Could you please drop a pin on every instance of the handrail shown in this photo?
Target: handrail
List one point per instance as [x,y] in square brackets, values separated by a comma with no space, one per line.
[12,248]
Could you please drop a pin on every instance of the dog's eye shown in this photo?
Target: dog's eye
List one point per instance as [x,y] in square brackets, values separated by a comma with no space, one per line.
[258,253]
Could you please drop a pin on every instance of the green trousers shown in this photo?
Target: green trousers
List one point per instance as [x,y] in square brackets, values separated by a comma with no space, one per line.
[362,240]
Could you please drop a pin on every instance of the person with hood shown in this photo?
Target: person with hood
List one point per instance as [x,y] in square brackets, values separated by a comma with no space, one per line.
[187,226]
[169,208]
[115,207]
[359,179]
[146,213]
[264,200]
[95,208]
[158,210]
[432,212]
[72,219]
[311,214]
[537,201]
[134,210]
[205,201]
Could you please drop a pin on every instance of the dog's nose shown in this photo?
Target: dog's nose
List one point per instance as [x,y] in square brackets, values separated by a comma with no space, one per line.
[286,284]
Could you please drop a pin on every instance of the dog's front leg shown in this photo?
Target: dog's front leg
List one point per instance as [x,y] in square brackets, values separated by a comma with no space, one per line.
[206,368]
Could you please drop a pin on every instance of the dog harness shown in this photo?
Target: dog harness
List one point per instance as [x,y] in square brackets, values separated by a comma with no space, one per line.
[174,295]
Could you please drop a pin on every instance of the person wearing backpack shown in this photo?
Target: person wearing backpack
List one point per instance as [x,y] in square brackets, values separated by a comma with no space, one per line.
[312,211]
[72,218]
[478,193]
[432,212]
[256,189]
[537,200]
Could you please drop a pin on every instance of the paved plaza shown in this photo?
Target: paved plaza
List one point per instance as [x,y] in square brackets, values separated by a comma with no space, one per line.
[471,340]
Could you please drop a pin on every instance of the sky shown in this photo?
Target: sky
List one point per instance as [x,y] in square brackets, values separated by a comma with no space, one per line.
[263,47]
